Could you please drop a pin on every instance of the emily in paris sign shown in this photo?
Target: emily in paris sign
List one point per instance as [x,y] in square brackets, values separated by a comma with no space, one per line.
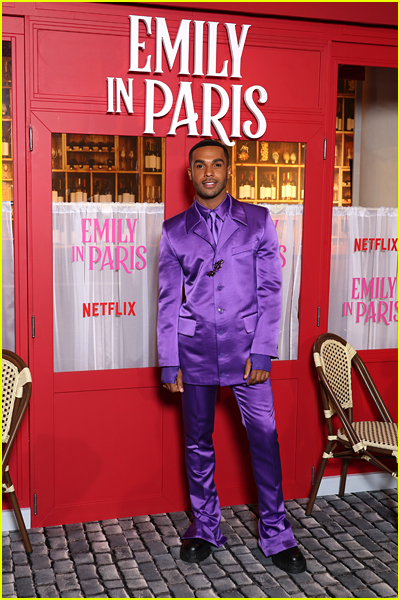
[143,62]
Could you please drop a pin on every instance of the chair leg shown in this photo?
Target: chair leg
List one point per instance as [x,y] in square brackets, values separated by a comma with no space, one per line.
[343,476]
[318,480]
[17,511]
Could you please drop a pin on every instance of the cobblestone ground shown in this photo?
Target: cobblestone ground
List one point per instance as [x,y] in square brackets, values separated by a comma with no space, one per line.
[350,544]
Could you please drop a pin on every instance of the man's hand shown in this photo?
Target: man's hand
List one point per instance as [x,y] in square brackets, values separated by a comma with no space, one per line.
[257,376]
[177,386]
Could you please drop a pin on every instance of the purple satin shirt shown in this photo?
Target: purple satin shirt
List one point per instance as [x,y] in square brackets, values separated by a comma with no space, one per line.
[222,319]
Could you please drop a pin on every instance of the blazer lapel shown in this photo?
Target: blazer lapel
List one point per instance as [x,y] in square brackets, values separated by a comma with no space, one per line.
[235,216]
[196,223]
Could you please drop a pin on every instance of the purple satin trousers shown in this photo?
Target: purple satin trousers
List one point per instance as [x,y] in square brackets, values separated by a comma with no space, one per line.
[256,405]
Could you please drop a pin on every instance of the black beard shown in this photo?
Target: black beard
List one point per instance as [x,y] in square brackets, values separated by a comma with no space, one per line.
[209,194]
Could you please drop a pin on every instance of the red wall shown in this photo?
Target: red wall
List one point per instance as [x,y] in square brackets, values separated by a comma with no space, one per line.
[70,50]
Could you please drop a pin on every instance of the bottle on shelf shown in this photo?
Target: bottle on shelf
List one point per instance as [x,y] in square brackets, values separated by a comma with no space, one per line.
[122,160]
[60,194]
[147,157]
[247,187]
[126,197]
[158,161]
[241,187]
[252,188]
[54,193]
[91,164]
[119,196]
[100,165]
[109,197]
[293,186]
[96,193]
[84,192]
[79,193]
[80,145]
[131,161]
[72,194]
[283,188]
[110,164]
[339,115]
[273,187]
[73,163]
[100,147]
[263,189]
[288,187]
[90,145]
[153,159]
[131,194]
[268,193]
[5,146]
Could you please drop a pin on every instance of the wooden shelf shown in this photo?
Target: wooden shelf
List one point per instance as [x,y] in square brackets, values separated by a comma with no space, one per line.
[136,180]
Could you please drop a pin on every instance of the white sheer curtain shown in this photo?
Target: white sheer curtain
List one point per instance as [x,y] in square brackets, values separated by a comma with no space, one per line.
[106,341]
[288,220]
[363,284]
[8,316]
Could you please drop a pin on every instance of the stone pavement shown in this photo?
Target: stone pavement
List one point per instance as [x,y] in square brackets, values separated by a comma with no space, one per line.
[350,544]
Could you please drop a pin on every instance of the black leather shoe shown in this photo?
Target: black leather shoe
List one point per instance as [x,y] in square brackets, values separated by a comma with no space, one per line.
[195,550]
[290,560]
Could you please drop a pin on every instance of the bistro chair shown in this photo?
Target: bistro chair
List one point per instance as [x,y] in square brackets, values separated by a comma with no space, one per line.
[16,391]
[367,440]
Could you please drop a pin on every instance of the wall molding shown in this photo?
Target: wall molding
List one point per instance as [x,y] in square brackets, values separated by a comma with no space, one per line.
[9,522]
[358,482]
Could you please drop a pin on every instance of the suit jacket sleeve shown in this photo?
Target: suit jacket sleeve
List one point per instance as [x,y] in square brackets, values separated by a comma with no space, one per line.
[269,292]
[170,278]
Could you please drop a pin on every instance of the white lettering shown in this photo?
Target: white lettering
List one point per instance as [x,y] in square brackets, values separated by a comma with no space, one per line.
[208,118]
[149,107]
[235,47]
[236,101]
[261,122]
[110,94]
[184,95]
[163,40]
[135,45]
[212,53]
[198,48]
[127,96]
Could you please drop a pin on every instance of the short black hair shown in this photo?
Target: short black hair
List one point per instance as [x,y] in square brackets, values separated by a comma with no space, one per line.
[209,143]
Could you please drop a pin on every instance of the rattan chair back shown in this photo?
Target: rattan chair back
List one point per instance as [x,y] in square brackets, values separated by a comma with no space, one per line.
[16,392]
[334,359]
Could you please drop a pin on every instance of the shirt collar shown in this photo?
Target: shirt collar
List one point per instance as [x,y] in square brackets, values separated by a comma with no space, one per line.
[221,210]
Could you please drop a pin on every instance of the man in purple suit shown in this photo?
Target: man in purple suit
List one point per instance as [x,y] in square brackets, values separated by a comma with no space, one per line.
[223,330]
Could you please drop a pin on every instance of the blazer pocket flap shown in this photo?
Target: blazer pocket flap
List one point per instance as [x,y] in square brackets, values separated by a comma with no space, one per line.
[245,248]
[186,326]
[250,322]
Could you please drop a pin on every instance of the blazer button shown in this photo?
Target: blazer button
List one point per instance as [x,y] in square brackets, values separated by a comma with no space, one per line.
[221,332]
[220,310]
[222,355]
[219,287]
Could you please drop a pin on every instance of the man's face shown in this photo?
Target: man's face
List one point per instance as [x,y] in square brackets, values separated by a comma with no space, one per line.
[209,172]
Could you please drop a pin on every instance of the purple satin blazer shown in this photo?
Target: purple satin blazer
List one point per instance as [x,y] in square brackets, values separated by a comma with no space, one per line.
[210,325]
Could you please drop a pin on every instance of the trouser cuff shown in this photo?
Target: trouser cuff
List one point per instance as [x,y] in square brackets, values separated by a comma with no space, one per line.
[199,530]
[277,543]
